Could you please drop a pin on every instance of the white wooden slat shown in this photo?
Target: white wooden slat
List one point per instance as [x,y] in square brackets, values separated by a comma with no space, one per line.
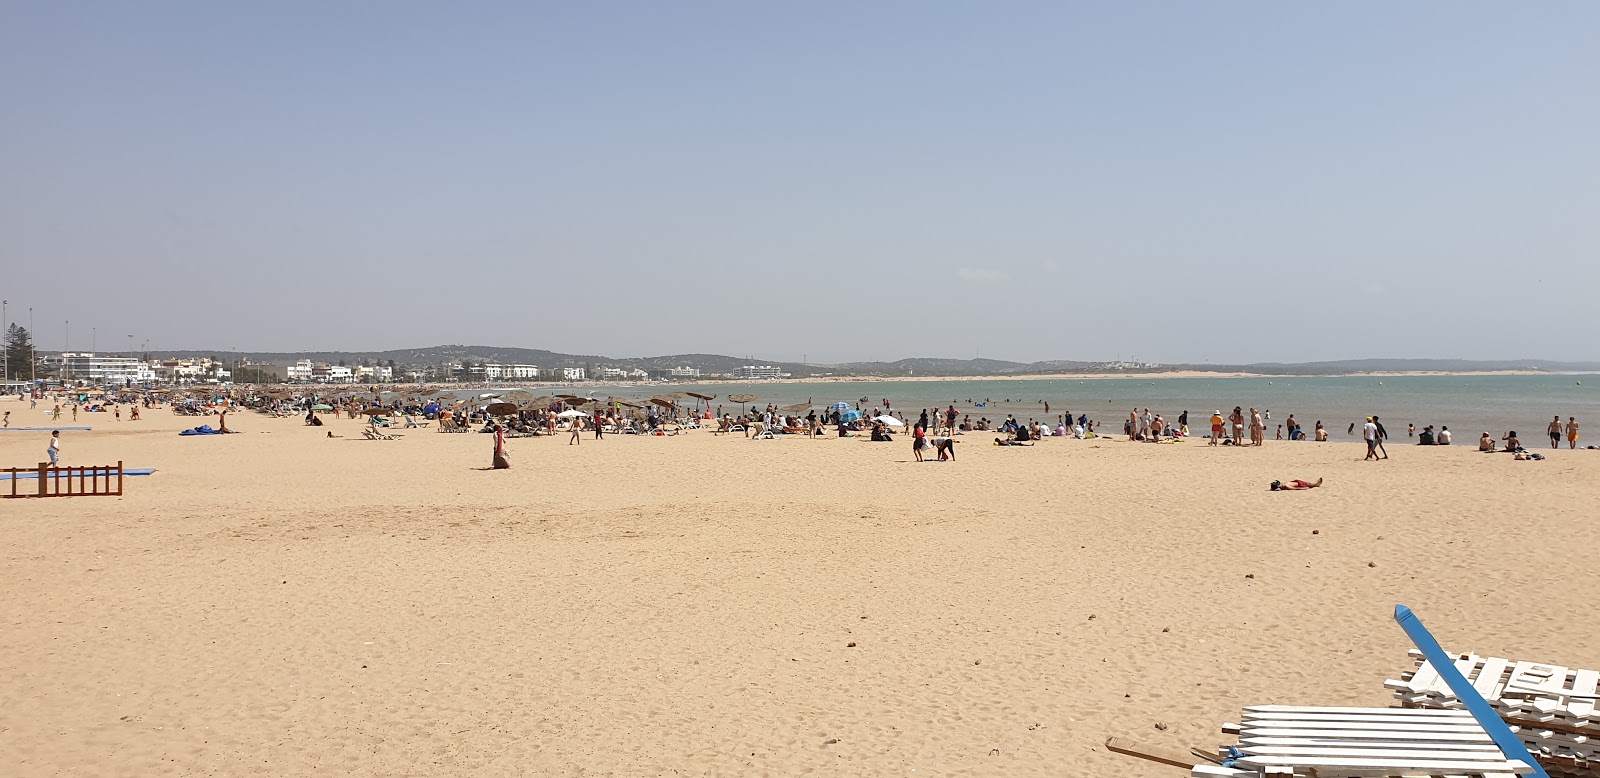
[1583,685]
[1399,725]
[1397,714]
[1378,753]
[1489,679]
[1356,742]
[1218,771]
[1357,766]
[1378,734]
[1312,718]
[1335,709]
[1423,680]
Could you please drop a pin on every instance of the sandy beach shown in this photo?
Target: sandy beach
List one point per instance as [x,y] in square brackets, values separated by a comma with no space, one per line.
[279,603]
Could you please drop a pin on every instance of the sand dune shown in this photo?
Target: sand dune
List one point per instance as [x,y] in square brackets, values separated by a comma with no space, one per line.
[279,603]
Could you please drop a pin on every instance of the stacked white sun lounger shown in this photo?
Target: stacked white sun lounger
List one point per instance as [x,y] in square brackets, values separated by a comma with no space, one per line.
[1552,708]
[1282,741]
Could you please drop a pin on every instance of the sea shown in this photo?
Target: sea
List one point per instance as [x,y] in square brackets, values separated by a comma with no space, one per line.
[1468,404]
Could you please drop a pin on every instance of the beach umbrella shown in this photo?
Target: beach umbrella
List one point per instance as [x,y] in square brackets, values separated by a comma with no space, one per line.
[375,411]
[502,409]
[317,407]
[571,414]
[661,401]
[850,416]
[706,397]
[488,395]
[741,399]
[889,420]
[796,408]
[841,407]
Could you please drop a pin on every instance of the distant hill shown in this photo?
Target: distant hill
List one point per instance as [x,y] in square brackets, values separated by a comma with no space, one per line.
[922,366]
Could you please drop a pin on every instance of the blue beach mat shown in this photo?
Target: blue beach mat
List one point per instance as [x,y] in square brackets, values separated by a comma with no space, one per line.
[89,473]
[44,429]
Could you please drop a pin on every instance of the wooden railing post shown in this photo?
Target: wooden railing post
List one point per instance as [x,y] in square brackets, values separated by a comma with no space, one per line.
[119,478]
[43,467]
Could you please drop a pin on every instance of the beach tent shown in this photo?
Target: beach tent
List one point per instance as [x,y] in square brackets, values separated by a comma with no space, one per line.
[889,420]
[571,414]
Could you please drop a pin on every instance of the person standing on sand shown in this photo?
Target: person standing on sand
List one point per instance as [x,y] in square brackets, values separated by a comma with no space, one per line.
[1258,429]
[577,427]
[1555,432]
[7,422]
[1369,433]
[1216,428]
[1183,423]
[950,416]
[1383,435]
[1572,432]
[919,439]
[1237,420]
[500,461]
[54,450]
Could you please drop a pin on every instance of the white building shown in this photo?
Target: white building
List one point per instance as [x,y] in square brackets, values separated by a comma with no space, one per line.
[301,371]
[375,373]
[613,373]
[523,371]
[684,372]
[85,366]
[572,373]
[757,372]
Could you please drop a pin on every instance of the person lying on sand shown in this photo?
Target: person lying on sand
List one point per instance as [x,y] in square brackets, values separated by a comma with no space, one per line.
[999,442]
[1295,485]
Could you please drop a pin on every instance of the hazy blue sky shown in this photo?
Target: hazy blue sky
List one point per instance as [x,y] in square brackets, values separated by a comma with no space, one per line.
[1230,181]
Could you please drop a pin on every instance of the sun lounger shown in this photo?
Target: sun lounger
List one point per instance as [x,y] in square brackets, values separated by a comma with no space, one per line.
[1554,710]
[1279,740]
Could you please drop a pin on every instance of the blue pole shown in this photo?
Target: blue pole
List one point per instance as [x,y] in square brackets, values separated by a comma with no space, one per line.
[1476,704]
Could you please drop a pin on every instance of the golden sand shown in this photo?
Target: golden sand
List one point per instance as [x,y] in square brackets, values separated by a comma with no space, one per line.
[278,603]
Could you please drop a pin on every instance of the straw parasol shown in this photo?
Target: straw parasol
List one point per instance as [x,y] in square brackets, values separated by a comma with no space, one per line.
[661,401]
[502,409]
[706,397]
[742,400]
[797,407]
[375,411]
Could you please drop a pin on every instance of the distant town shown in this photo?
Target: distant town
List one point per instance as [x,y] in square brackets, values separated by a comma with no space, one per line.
[86,368]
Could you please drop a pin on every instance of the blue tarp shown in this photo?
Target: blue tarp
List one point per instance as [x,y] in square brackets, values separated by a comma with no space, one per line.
[91,473]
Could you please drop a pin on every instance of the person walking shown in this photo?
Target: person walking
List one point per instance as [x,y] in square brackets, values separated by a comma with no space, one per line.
[1572,432]
[1383,435]
[7,422]
[1555,432]
[577,428]
[54,451]
[1369,433]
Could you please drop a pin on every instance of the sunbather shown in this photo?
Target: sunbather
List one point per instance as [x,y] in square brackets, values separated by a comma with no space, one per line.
[1295,485]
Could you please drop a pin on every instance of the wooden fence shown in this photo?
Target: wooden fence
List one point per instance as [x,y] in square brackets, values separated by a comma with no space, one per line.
[69,481]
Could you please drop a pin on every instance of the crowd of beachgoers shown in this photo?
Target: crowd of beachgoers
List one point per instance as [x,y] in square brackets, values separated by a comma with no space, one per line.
[518,413]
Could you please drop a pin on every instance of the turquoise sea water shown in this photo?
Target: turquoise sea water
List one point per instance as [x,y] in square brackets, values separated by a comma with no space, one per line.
[1468,405]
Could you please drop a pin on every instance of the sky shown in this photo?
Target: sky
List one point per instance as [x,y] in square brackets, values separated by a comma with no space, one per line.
[1170,182]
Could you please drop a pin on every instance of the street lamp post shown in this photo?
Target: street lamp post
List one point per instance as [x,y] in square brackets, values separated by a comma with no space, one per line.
[33,352]
[5,361]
